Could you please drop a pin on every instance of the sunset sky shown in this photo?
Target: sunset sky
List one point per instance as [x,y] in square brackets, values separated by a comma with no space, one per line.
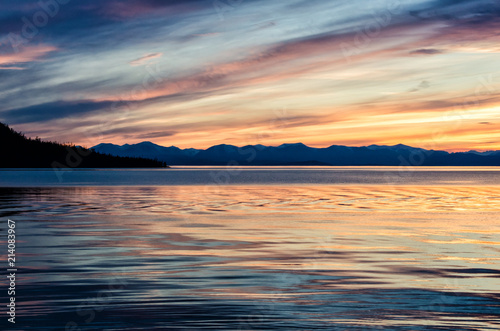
[193,73]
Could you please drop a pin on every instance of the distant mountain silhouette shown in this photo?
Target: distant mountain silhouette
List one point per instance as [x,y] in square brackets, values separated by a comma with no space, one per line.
[300,154]
[17,151]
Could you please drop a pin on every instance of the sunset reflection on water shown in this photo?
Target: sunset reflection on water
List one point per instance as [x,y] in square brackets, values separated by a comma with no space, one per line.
[259,257]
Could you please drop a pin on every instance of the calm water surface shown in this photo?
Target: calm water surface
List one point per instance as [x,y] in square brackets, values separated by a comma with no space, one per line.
[255,249]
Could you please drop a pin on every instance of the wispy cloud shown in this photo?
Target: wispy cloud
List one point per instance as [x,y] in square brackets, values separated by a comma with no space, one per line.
[426,51]
[145,59]
[14,60]
[53,110]
[11,68]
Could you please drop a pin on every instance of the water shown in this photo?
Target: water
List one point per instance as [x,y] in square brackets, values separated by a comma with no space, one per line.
[250,176]
[270,249]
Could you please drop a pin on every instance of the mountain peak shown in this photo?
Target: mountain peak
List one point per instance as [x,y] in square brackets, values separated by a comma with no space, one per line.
[301,145]
[105,145]
[222,147]
[147,143]
[398,146]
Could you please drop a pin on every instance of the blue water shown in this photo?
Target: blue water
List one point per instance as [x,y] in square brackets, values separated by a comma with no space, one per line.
[268,249]
[183,175]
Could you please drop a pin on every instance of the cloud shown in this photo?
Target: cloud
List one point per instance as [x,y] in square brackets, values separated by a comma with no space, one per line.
[144,59]
[53,110]
[11,68]
[134,8]
[295,58]
[25,55]
[426,51]
[159,134]
[458,11]
[422,86]
[208,34]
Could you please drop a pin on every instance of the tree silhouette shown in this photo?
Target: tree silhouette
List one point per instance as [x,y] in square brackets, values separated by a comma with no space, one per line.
[18,151]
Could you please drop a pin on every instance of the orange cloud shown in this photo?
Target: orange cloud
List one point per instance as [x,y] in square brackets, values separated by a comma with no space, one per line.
[27,54]
[144,59]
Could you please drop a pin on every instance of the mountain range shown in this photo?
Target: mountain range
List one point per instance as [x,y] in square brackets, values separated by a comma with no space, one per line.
[300,154]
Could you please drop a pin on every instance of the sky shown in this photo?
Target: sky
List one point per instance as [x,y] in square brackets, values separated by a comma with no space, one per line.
[193,73]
